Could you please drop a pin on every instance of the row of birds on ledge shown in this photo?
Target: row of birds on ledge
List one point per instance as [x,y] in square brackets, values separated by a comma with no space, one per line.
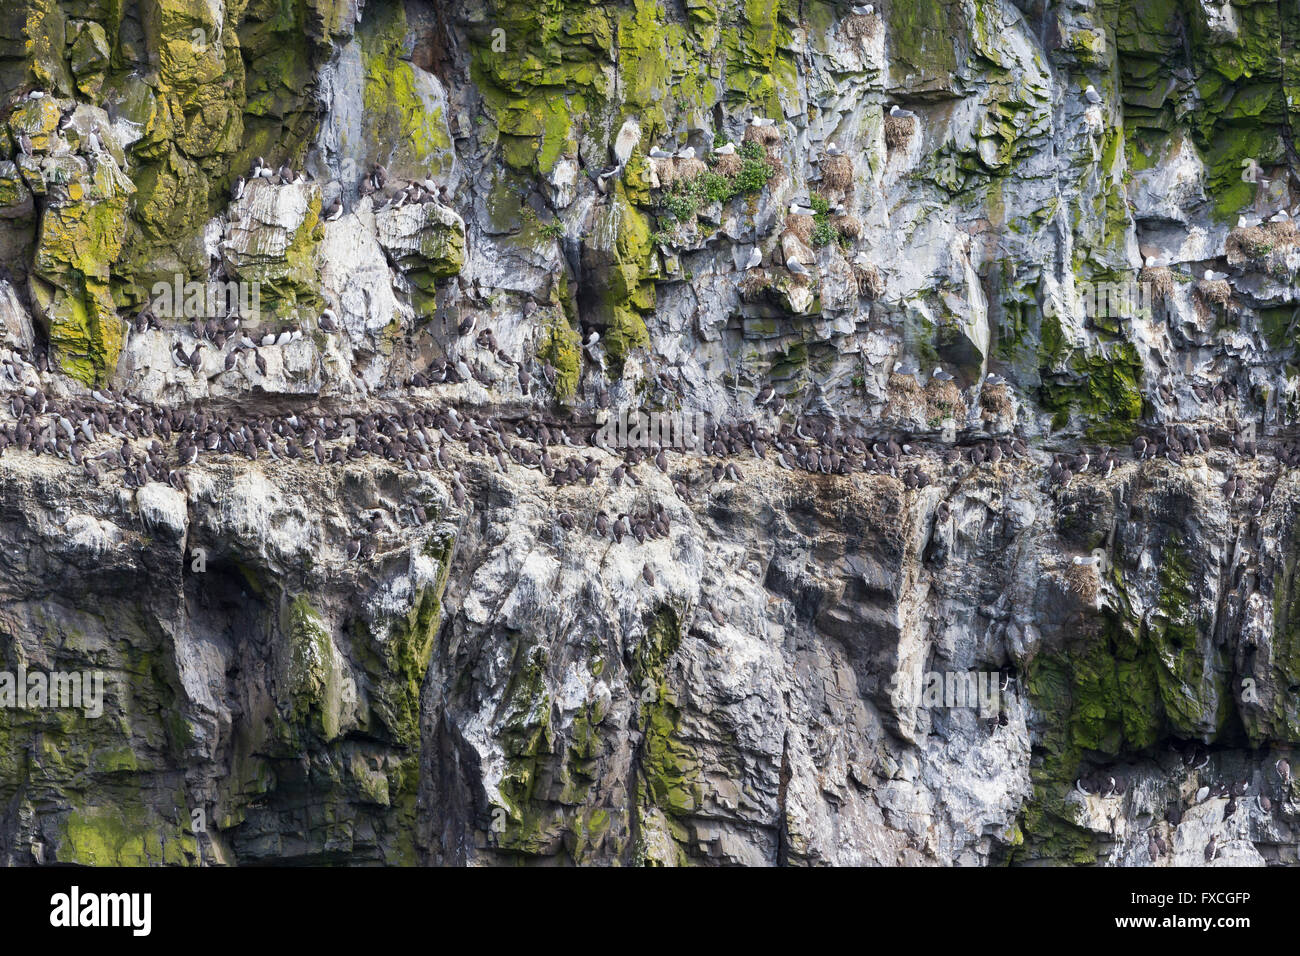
[1194,757]
[418,436]
[215,333]
[412,192]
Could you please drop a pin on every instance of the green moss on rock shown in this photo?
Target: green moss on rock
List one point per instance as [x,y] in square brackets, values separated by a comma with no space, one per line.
[404,116]
[80,241]
[562,347]
[668,784]
[124,835]
[315,676]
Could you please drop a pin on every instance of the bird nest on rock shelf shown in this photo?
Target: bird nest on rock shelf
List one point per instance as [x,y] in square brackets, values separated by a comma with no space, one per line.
[1082,580]
[899,130]
[1262,244]
[1161,281]
[943,400]
[754,285]
[995,400]
[870,283]
[848,227]
[764,135]
[669,171]
[861,27]
[664,173]
[727,165]
[837,173]
[801,227]
[905,399]
[688,169]
[1214,291]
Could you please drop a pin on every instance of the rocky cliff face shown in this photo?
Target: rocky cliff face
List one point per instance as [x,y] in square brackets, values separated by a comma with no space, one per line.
[320,318]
